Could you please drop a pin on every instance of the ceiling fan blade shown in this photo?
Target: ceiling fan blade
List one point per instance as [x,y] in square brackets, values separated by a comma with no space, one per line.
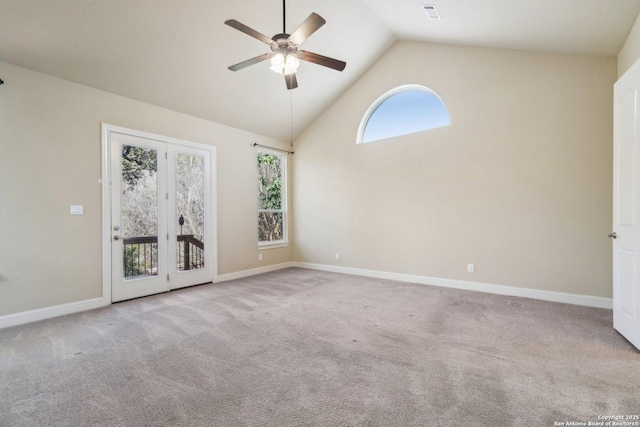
[248,62]
[249,31]
[308,27]
[322,60]
[292,81]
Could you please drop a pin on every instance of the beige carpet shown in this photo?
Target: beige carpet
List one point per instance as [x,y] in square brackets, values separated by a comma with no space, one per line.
[300,347]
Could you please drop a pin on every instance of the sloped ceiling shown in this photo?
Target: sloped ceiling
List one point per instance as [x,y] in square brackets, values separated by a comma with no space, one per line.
[175,54]
[593,27]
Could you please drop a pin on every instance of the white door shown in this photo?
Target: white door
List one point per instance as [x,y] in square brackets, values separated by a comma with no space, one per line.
[190,224]
[626,206]
[161,216]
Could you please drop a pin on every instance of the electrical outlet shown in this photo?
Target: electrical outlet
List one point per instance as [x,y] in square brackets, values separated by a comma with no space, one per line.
[259,257]
[337,255]
[470,268]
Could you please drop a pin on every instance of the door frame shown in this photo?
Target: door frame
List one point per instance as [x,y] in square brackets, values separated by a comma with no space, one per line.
[211,256]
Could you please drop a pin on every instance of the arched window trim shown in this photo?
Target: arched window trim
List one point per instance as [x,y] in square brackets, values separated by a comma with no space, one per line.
[378,102]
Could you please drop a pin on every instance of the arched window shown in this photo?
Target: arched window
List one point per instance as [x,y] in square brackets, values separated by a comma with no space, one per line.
[403,110]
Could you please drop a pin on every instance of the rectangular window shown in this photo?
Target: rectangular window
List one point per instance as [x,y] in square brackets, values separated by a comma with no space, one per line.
[272,218]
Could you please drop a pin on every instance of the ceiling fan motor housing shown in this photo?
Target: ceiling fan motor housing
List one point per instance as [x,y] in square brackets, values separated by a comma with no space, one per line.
[283,44]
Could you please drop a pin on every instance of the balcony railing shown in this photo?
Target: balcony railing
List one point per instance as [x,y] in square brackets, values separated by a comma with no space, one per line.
[190,252]
[140,255]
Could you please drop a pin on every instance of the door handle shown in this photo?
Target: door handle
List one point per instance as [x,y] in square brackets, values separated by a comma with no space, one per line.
[116,237]
[613,235]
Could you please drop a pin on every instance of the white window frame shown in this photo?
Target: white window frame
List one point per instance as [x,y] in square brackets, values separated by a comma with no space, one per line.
[378,102]
[284,190]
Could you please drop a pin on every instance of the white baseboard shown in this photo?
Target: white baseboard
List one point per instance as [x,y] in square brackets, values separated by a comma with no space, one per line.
[21,318]
[49,312]
[252,272]
[577,299]
[76,307]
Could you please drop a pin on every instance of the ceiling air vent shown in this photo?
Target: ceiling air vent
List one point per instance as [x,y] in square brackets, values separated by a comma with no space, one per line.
[432,12]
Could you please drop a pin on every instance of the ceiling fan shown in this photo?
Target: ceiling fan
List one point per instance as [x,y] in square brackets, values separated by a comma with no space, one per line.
[285,56]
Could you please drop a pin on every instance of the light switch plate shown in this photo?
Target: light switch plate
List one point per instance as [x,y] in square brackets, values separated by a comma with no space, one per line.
[76,210]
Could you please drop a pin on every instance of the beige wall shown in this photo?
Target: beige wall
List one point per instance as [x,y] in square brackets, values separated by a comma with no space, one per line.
[50,158]
[630,52]
[519,184]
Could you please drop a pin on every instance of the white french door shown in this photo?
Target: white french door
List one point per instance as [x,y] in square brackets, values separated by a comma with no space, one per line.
[626,206]
[189,216]
[161,219]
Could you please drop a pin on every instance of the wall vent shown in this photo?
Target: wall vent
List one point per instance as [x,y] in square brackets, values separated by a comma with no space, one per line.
[432,12]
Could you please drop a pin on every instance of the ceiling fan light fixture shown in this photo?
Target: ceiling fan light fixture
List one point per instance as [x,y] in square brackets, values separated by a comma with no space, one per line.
[291,64]
[277,62]
[284,64]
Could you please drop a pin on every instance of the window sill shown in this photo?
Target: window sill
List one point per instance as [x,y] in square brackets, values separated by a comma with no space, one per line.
[274,245]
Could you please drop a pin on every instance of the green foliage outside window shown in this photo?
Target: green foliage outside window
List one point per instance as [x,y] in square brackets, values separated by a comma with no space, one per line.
[136,161]
[270,212]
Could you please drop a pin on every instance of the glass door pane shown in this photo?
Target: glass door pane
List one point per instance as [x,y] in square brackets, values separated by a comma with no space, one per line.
[190,208]
[139,205]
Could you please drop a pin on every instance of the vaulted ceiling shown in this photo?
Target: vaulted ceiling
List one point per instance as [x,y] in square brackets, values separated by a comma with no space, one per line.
[175,54]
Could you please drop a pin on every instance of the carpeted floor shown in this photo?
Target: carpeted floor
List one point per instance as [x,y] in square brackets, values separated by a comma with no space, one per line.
[301,347]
